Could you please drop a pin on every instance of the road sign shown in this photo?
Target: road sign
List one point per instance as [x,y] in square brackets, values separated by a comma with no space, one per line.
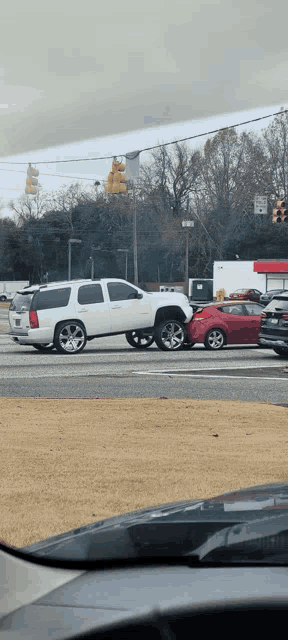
[260,205]
[187,223]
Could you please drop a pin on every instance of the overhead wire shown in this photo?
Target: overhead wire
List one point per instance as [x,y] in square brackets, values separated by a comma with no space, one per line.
[163,144]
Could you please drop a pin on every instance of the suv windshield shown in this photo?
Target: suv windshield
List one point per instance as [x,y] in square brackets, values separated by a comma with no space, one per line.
[21,300]
[278,303]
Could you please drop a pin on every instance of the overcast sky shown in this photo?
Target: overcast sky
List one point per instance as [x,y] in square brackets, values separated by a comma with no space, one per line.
[53,175]
[87,78]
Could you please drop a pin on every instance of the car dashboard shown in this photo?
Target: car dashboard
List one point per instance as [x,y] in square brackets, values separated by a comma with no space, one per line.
[137,601]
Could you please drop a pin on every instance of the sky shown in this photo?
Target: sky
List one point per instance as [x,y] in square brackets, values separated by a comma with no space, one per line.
[53,175]
[87,79]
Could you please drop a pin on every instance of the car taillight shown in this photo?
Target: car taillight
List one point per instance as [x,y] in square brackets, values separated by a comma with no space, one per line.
[34,323]
[285,317]
[203,316]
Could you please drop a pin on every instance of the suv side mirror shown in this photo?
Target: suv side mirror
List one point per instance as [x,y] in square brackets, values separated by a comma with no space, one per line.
[139,296]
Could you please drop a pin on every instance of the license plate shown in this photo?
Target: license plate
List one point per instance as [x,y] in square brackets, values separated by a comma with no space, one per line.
[274,320]
[17,323]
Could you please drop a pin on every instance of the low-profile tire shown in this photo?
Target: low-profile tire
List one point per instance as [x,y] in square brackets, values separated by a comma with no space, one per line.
[44,347]
[188,345]
[139,340]
[70,337]
[281,352]
[2,298]
[169,335]
[214,340]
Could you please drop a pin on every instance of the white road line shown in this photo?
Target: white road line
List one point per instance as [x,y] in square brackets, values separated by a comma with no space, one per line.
[203,375]
[242,366]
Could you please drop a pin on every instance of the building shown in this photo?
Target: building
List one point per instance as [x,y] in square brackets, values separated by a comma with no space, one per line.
[263,275]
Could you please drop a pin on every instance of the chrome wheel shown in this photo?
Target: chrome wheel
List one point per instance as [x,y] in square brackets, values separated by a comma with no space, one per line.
[70,338]
[169,335]
[214,340]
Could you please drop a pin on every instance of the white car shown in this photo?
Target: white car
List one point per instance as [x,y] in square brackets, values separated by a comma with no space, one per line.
[66,314]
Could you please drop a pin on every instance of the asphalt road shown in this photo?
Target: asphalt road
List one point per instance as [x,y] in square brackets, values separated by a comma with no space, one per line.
[110,368]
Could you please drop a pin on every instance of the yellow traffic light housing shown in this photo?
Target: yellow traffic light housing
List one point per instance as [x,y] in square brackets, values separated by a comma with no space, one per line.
[117,179]
[31,181]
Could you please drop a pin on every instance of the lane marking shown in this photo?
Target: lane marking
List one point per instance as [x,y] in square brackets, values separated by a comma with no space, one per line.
[203,375]
[242,366]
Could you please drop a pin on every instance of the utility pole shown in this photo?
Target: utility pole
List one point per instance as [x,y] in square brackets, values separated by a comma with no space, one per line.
[69,255]
[132,169]
[187,223]
[126,265]
[135,239]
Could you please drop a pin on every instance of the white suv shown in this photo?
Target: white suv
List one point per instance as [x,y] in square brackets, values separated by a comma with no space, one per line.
[65,315]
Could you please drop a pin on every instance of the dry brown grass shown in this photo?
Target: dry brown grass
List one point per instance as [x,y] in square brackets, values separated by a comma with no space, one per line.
[66,463]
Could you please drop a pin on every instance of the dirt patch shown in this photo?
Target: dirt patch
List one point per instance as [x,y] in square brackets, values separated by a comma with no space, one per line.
[66,463]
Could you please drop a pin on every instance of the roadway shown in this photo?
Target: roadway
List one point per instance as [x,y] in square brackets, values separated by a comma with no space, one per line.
[110,368]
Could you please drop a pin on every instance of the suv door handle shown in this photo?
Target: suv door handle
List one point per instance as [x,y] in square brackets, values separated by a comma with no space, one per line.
[82,310]
[117,306]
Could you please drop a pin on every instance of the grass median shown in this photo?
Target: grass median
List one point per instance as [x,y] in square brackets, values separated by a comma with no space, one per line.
[67,463]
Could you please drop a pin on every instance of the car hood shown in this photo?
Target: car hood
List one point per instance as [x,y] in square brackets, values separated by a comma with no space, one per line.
[170,529]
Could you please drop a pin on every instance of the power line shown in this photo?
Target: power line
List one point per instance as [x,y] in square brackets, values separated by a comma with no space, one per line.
[164,144]
[56,175]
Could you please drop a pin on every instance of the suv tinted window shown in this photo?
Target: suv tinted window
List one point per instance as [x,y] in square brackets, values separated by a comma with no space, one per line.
[90,293]
[121,291]
[277,303]
[51,299]
[21,300]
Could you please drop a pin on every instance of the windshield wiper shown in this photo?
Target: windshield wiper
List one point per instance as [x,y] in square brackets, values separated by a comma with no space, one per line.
[260,540]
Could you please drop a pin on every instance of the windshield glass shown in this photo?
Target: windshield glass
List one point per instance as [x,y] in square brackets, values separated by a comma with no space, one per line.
[241,291]
[141,384]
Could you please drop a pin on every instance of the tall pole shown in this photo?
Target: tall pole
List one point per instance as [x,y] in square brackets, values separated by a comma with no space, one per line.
[69,261]
[187,261]
[187,224]
[135,239]
[126,270]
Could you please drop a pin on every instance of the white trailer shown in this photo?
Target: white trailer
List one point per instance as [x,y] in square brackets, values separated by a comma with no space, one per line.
[237,274]
[8,289]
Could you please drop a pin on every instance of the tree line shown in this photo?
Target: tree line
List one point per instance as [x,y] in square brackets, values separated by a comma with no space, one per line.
[214,185]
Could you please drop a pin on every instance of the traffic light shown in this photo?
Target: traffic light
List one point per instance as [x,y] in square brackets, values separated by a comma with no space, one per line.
[280,214]
[31,181]
[116,179]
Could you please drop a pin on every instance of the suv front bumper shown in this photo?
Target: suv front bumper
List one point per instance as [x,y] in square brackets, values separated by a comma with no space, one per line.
[270,342]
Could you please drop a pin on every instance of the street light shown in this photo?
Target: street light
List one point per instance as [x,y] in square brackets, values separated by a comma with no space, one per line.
[92,267]
[187,223]
[69,256]
[126,270]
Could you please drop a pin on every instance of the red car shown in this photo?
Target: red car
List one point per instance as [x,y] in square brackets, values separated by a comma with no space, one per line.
[246,294]
[224,323]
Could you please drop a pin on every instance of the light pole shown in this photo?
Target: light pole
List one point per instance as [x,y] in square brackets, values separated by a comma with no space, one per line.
[187,223]
[69,255]
[126,269]
[92,267]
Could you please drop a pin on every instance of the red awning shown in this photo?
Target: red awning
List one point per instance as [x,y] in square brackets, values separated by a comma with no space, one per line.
[273,266]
